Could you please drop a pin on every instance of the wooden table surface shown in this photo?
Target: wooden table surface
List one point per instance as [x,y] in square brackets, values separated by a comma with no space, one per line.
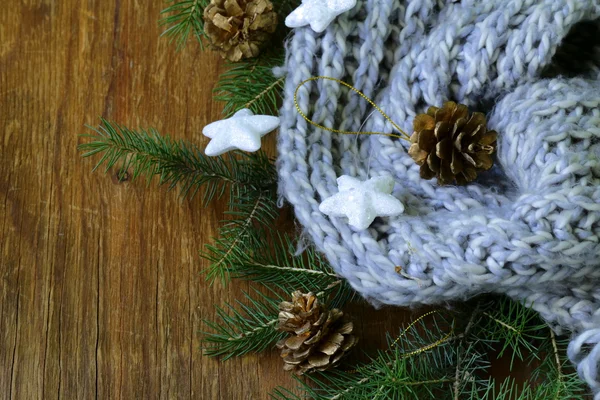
[101,291]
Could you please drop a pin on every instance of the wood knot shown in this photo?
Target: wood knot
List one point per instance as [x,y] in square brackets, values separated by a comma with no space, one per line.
[121,176]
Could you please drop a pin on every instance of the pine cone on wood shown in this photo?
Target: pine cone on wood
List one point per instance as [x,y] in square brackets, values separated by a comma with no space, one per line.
[320,338]
[451,145]
[239,28]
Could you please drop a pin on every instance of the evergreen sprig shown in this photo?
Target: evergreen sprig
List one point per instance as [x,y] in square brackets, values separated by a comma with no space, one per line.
[513,326]
[243,328]
[251,84]
[182,18]
[147,153]
[268,258]
[239,238]
[390,374]
[454,368]
[274,266]
[556,371]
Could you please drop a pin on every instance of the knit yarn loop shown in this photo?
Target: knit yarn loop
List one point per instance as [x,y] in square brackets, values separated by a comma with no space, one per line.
[529,227]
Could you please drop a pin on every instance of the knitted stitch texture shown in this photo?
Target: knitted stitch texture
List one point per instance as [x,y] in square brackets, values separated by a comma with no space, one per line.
[529,228]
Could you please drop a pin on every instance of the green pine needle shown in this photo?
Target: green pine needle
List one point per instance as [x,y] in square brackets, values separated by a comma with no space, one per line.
[275,264]
[254,214]
[242,329]
[251,84]
[515,327]
[453,369]
[182,18]
[147,153]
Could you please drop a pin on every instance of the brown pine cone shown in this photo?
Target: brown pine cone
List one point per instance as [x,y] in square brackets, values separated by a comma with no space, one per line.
[320,338]
[239,28]
[451,145]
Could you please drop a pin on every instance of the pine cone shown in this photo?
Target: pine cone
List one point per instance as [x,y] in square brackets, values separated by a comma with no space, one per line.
[451,145]
[320,337]
[239,28]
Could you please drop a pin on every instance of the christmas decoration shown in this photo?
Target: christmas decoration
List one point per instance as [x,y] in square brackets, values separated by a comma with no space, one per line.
[446,352]
[239,28]
[242,131]
[318,13]
[452,145]
[453,242]
[362,202]
[320,337]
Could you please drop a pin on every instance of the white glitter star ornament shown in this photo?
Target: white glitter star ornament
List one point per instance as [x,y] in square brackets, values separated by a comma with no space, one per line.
[362,201]
[242,131]
[318,13]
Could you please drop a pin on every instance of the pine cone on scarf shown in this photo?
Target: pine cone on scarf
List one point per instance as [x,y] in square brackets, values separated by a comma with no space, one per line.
[451,145]
[239,28]
[320,337]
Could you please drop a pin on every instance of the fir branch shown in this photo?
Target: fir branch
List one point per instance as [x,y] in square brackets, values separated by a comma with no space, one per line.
[251,84]
[559,373]
[515,327]
[456,364]
[183,17]
[149,154]
[458,374]
[388,375]
[240,238]
[555,378]
[273,263]
[410,368]
[250,329]
[292,270]
[504,324]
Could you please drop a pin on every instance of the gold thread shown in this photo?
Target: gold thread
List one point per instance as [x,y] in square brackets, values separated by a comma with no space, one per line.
[427,347]
[422,349]
[316,78]
[427,314]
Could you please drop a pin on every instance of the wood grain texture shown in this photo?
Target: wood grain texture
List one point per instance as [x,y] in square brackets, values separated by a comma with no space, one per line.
[101,292]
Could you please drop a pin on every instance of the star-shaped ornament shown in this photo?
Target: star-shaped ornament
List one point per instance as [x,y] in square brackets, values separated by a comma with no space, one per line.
[242,131]
[362,201]
[318,13]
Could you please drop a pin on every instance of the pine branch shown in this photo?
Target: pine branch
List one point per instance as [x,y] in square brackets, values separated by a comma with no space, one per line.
[182,18]
[515,327]
[416,365]
[454,368]
[386,376]
[247,84]
[251,84]
[273,263]
[251,329]
[240,238]
[240,332]
[148,154]
[462,351]
[559,372]
[555,376]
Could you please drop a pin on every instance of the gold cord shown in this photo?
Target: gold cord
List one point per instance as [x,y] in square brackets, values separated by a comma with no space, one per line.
[316,78]
[427,347]
[421,349]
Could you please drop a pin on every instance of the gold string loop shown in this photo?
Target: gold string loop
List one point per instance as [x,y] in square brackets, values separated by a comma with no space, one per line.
[426,347]
[403,135]
[423,349]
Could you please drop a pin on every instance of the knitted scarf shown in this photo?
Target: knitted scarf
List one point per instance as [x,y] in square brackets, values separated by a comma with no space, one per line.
[529,227]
